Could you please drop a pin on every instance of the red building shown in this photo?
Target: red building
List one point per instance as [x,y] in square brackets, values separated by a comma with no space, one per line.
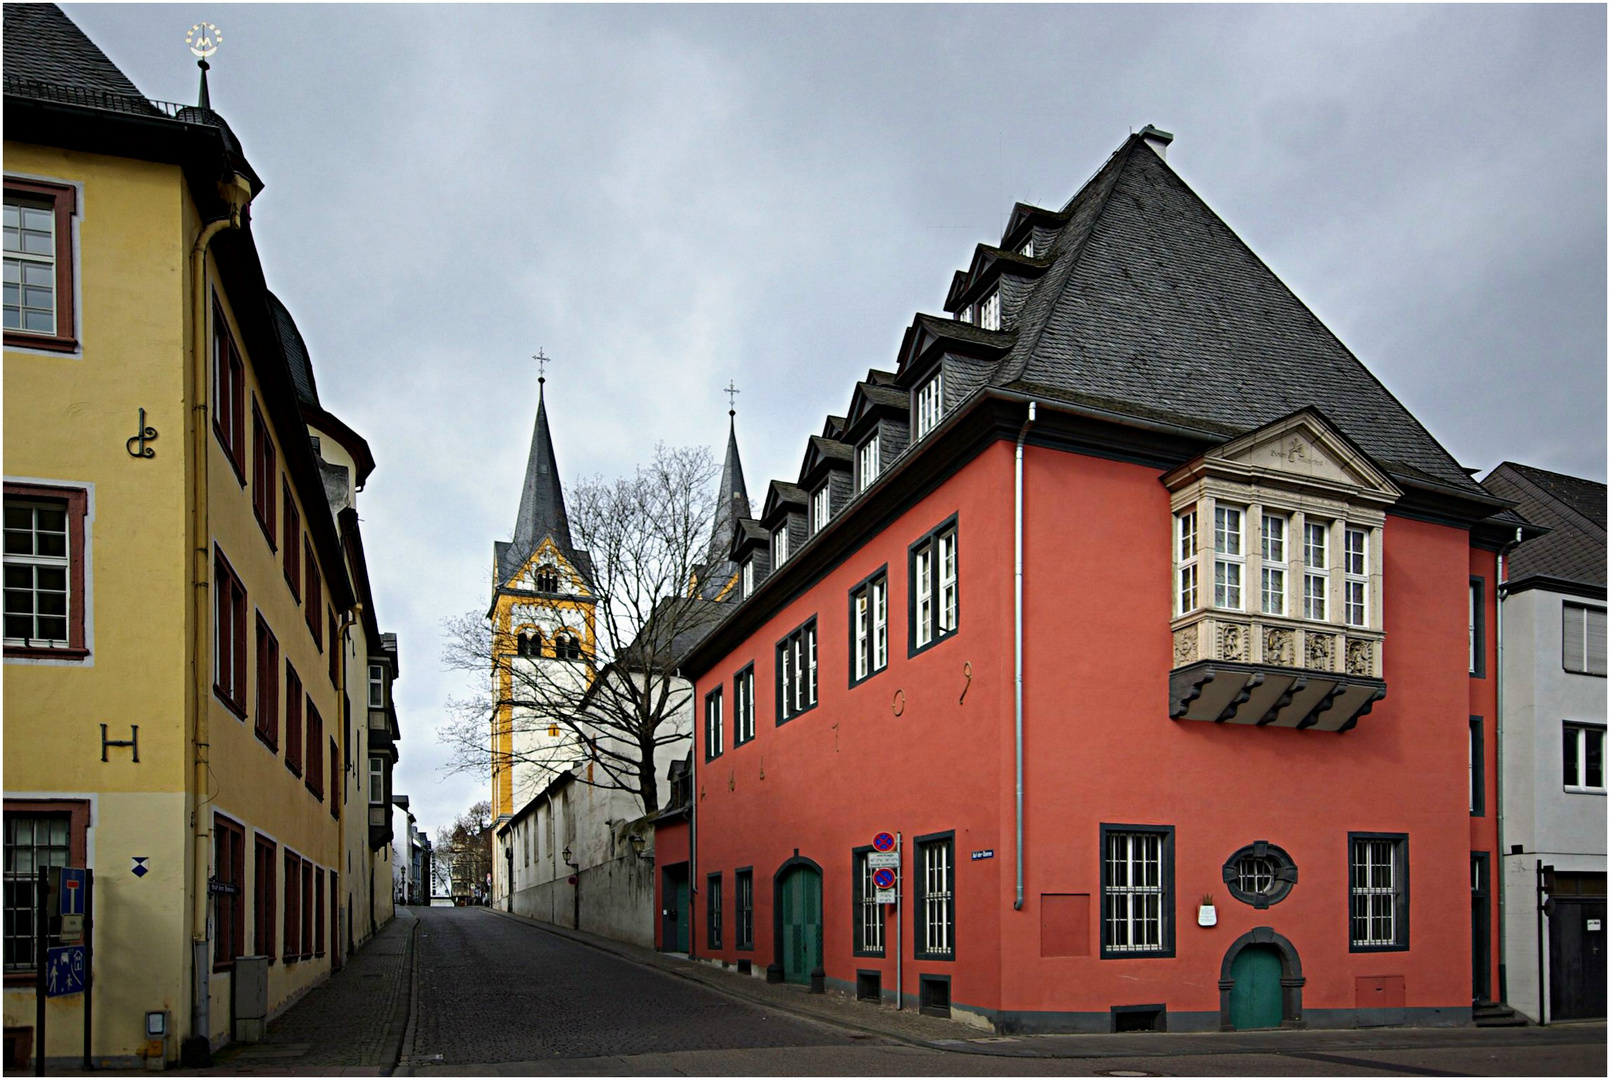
[1143,614]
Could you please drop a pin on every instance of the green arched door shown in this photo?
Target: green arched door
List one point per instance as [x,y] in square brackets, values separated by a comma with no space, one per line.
[1255,997]
[801,890]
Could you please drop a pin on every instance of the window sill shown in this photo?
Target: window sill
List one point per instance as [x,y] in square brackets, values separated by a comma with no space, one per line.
[272,744]
[941,958]
[238,710]
[918,650]
[229,455]
[268,534]
[17,339]
[45,652]
[1138,954]
[1571,789]
[1357,948]
[795,716]
[868,677]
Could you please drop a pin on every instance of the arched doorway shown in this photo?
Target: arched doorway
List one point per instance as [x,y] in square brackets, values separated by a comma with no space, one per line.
[1260,983]
[798,919]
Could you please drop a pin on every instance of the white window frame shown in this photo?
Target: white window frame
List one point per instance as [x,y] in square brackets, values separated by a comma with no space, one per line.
[743,706]
[713,734]
[1229,558]
[1576,739]
[989,311]
[746,578]
[867,459]
[1376,882]
[930,404]
[869,627]
[1273,532]
[1187,594]
[1582,639]
[1316,571]
[821,507]
[377,686]
[936,865]
[869,911]
[377,780]
[1355,576]
[1136,886]
[779,546]
[796,672]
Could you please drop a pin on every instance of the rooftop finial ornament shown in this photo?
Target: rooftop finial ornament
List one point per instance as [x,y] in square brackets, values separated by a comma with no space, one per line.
[732,392]
[204,39]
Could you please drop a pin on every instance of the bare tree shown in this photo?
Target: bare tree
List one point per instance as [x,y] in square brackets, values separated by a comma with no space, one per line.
[464,854]
[641,544]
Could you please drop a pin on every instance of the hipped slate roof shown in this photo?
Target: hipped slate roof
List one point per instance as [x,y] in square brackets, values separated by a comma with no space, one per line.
[1572,509]
[43,43]
[1153,305]
[542,508]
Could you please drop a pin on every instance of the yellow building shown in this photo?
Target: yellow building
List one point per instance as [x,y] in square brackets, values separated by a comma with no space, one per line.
[178,601]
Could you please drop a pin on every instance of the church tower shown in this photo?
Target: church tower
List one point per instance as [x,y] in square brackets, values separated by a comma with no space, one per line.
[543,632]
[718,578]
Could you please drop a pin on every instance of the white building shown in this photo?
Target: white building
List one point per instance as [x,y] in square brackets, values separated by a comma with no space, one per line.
[1551,747]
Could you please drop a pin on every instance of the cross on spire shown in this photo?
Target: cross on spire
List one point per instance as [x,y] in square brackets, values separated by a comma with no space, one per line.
[542,365]
[732,391]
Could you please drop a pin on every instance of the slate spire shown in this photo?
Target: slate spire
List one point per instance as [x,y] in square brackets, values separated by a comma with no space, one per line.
[542,500]
[732,497]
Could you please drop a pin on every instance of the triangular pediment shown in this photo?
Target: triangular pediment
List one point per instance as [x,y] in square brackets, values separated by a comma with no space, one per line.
[547,558]
[1302,450]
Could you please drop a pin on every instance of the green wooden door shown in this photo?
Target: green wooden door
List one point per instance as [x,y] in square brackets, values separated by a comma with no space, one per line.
[680,906]
[802,924]
[1255,998]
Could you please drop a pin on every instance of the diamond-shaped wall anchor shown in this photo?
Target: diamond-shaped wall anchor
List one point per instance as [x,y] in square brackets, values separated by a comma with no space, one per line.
[139,869]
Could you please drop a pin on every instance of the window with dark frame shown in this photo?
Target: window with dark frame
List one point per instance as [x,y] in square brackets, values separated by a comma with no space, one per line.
[313,605]
[265,895]
[292,945]
[337,789]
[293,719]
[1378,891]
[743,706]
[869,627]
[265,474]
[1260,874]
[712,912]
[229,636]
[1137,890]
[744,923]
[335,648]
[868,917]
[1478,769]
[39,271]
[37,835]
[1477,637]
[314,777]
[935,935]
[318,911]
[933,599]
[228,887]
[712,725]
[228,393]
[290,540]
[796,672]
[307,910]
[268,685]
[45,568]
[1583,641]
[1583,746]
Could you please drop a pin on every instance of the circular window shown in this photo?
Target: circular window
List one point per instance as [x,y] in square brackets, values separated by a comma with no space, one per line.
[1260,874]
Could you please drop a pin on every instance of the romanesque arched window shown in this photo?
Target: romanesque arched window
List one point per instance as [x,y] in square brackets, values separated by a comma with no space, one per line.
[547,579]
[565,646]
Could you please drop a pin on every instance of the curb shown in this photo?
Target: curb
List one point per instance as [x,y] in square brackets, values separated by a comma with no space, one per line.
[405,1045]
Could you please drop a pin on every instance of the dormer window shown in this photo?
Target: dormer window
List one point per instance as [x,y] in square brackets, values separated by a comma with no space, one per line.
[867,462]
[1027,248]
[930,404]
[989,311]
[746,579]
[821,508]
[779,545]
[965,314]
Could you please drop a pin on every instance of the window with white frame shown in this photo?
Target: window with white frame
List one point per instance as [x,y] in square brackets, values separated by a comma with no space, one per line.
[779,546]
[989,311]
[930,404]
[1378,879]
[1026,249]
[712,724]
[821,508]
[796,672]
[936,902]
[1582,639]
[1229,557]
[377,781]
[1273,575]
[868,912]
[935,609]
[746,579]
[1137,877]
[867,462]
[869,627]
[965,314]
[1185,546]
[1316,570]
[1355,577]
[377,686]
[743,706]
[1584,757]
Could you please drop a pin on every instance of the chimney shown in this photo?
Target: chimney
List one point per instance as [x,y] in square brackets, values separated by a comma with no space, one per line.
[1157,139]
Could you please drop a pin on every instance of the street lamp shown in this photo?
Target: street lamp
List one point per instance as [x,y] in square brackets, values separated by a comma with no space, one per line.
[639,842]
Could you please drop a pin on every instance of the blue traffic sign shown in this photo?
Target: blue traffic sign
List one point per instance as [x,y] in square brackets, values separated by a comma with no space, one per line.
[883,841]
[884,878]
[64,970]
[74,887]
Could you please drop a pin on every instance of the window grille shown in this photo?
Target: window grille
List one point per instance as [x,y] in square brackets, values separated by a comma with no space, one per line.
[1375,891]
[712,907]
[935,858]
[744,927]
[33,842]
[869,913]
[1134,895]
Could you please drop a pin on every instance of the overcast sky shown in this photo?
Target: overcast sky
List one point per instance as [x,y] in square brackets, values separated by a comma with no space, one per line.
[666,198]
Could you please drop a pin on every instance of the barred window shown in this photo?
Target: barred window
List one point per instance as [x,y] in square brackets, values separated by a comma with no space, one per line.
[868,912]
[34,840]
[744,884]
[936,903]
[1378,874]
[712,908]
[1137,880]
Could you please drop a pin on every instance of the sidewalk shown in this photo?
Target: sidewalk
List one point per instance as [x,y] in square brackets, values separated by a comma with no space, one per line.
[351,1025]
[909,1026]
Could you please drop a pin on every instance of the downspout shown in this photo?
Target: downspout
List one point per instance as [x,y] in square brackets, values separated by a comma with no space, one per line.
[237,192]
[348,619]
[1017,641]
[1498,764]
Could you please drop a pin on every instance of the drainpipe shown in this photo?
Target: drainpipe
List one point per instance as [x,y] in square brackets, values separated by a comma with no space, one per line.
[237,193]
[348,619]
[1498,763]
[1017,641]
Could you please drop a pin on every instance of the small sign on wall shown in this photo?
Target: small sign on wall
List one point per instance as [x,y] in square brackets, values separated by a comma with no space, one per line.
[1595,924]
[986,853]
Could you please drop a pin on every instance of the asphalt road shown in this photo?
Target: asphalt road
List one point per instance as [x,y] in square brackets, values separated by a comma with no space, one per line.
[499,996]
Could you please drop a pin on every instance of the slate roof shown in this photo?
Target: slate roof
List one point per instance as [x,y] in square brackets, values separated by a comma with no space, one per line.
[296,354]
[42,43]
[1154,305]
[542,508]
[1571,508]
[732,498]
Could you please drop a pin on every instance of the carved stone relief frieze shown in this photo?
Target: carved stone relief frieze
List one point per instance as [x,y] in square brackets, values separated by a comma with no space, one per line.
[1185,645]
[1279,647]
[1232,641]
[1360,657]
[1319,651]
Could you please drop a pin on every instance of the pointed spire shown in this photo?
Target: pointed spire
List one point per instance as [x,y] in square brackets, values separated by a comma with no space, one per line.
[204,99]
[542,500]
[732,497]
